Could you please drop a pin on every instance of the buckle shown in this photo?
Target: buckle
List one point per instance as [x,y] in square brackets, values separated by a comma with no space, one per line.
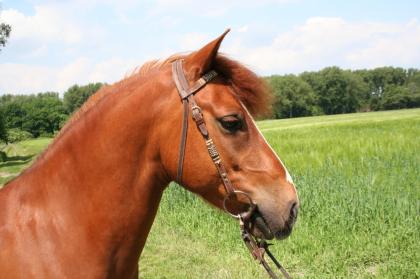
[197,114]
[196,108]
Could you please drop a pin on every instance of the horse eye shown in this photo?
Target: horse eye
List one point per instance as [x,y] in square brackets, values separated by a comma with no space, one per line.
[231,123]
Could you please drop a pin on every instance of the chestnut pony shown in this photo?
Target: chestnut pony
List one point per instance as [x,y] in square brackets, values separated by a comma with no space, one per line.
[85,207]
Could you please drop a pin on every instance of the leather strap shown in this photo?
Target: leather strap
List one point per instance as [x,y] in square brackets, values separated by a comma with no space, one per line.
[187,96]
[182,86]
[258,249]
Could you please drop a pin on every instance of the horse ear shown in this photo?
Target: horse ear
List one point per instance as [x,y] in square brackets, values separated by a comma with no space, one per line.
[200,62]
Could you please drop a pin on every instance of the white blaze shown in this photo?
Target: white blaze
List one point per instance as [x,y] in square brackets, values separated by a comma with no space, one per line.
[288,177]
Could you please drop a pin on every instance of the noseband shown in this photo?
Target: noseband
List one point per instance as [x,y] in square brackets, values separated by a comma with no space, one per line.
[256,247]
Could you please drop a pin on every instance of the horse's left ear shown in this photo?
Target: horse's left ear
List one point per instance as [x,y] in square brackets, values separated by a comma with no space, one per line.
[200,62]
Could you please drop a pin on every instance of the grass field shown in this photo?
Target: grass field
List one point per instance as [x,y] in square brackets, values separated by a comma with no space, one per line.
[20,155]
[358,181]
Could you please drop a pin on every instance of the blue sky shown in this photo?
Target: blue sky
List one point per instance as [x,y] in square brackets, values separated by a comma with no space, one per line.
[55,44]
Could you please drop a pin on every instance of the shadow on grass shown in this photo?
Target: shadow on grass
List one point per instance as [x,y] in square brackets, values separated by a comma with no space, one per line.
[16,160]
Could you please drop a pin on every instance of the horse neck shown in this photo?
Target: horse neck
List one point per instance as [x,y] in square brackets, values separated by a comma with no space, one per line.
[103,175]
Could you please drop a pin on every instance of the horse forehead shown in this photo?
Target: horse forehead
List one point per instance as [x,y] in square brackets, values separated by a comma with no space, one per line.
[220,95]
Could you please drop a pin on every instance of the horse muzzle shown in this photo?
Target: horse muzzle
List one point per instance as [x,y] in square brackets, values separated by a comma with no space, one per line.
[264,226]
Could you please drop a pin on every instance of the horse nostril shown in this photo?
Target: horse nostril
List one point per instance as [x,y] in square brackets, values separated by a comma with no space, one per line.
[293,212]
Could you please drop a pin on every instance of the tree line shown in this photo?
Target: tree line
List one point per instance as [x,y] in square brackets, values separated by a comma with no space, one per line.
[42,114]
[334,91]
[328,91]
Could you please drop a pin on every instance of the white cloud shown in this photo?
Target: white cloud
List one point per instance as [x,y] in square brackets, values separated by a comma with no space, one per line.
[193,41]
[38,51]
[27,79]
[326,41]
[74,72]
[112,70]
[21,78]
[48,24]
[398,45]
[243,29]
[215,8]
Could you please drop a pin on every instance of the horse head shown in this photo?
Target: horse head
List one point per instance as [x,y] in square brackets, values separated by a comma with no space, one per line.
[228,103]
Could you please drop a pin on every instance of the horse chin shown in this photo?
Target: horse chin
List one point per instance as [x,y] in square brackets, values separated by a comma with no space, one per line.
[260,228]
[284,233]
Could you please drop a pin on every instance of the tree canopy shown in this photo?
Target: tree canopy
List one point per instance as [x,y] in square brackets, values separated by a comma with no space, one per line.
[76,95]
[5,30]
[3,131]
[293,96]
[41,114]
[333,90]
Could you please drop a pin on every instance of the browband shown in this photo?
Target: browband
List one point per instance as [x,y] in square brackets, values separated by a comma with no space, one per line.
[181,83]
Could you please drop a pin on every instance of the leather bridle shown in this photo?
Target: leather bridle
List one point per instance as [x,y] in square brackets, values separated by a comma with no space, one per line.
[257,247]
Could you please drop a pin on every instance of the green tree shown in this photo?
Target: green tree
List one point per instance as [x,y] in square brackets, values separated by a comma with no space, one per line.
[43,114]
[15,135]
[398,97]
[337,91]
[13,112]
[395,97]
[293,97]
[413,86]
[39,114]
[413,81]
[3,132]
[378,79]
[3,137]
[5,30]
[381,77]
[76,95]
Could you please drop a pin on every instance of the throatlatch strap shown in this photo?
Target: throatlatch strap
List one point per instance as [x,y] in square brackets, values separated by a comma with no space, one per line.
[182,86]
[183,141]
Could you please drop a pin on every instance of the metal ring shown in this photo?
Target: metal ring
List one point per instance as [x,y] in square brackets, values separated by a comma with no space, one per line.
[235,192]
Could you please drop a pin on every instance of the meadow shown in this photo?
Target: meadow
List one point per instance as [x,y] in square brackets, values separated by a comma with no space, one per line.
[357,176]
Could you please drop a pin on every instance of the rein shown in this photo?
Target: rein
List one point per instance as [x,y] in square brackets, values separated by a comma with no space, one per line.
[257,248]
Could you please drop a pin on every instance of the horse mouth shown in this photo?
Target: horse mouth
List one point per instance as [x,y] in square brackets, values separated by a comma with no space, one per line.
[260,228]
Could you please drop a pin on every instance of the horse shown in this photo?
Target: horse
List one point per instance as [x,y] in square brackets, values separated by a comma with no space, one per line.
[84,208]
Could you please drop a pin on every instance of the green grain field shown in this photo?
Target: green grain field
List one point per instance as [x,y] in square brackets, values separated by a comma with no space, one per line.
[358,178]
